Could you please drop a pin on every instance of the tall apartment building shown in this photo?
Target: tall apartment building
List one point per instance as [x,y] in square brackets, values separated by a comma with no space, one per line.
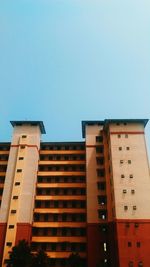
[90,197]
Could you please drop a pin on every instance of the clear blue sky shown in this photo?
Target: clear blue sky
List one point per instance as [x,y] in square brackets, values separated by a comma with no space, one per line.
[71,60]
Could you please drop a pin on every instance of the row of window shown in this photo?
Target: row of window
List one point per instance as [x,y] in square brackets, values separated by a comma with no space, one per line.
[138,244]
[131,264]
[65,231]
[133,207]
[62,157]
[58,247]
[123,161]
[77,204]
[64,217]
[124,191]
[60,191]
[61,179]
[122,135]
[120,148]
[62,147]
[130,176]
[62,168]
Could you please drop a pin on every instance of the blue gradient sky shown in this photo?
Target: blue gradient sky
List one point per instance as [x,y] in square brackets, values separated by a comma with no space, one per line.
[71,60]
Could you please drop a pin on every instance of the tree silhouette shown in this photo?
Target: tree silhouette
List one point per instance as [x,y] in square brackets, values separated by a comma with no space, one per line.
[21,255]
[74,260]
[40,259]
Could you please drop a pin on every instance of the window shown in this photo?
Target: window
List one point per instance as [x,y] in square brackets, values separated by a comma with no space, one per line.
[130,264]
[105,246]
[102,200]
[15,197]
[132,191]
[122,176]
[134,207]
[119,135]
[129,161]
[100,172]
[125,207]
[13,211]
[17,183]
[22,147]
[99,138]
[127,148]
[126,135]
[124,191]
[120,148]
[102,214]
[24,136]
[8,244]
[136,225]
[99,149]
[11,226]
[140,264]
[129,244]
[101,186]
[121,161]
[127,225]
[138,244]
[131,175]
[21,158]
[19,170]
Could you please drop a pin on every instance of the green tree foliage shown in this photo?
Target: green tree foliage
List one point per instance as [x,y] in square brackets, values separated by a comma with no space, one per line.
[21,255]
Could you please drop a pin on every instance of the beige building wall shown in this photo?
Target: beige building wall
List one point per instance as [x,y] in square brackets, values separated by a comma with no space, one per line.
[130,171]
[91,174]
[19,192]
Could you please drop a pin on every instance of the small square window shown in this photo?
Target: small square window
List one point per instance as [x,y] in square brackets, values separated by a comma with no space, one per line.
[21,158]
[131,176]
[19,170]
[130,264]
[13,211]
[136,225]
[140,264]
[126,135]
[127,148]
[22,147]
[134,207]
[8,244]
[129,161]
[129,244]
[124,191]
[24,136]
[125,207]
[138,244]
[17,183]
[132,191]
[15,197]
[11,226]
[119,135]
[121,161]
[122,176]
[120,148]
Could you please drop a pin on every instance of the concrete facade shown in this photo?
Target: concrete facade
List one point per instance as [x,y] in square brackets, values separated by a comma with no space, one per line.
[91,197]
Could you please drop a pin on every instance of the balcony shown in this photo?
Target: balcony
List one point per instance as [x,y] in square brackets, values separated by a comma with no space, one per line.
[59,224]
[61,185]
[67,197]
[62,162]
[51,239]
[58,152]
[61,210]
[63,173]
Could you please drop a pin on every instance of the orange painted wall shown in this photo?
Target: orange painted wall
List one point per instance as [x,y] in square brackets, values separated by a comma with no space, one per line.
[23,232]
[2,239]
[133,231]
